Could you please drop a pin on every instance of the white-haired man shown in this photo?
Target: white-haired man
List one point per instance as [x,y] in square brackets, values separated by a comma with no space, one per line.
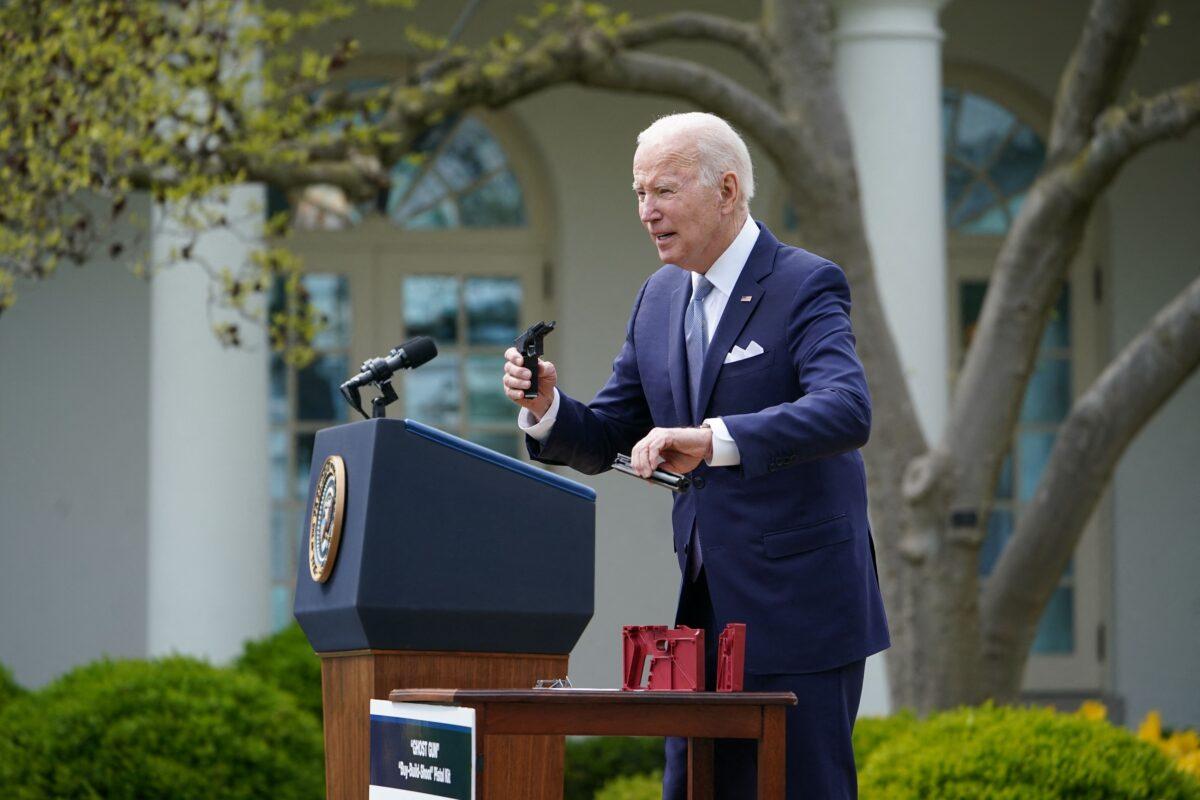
[739,368]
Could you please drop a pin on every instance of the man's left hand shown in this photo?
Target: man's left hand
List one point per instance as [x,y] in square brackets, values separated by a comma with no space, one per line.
[672,449]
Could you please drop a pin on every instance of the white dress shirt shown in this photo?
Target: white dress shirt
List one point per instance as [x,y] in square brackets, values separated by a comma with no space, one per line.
[723,275]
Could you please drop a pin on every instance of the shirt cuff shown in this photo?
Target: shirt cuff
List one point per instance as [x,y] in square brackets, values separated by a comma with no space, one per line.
[725,450]
[540,430]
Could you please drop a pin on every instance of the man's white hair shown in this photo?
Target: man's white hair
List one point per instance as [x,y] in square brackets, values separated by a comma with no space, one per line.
[719,149]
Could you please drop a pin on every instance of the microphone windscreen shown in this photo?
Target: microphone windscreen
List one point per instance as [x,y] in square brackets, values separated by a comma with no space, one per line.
[419,350]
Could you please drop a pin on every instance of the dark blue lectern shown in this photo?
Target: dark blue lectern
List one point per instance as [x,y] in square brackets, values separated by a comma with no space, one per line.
[455,567]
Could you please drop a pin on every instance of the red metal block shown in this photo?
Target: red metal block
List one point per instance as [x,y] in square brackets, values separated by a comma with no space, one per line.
[731,657]
[676,658]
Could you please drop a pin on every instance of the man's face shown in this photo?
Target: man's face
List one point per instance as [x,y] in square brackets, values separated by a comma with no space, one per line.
[683,217]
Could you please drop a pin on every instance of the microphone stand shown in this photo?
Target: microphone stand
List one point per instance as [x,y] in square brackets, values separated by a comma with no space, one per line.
[379,404]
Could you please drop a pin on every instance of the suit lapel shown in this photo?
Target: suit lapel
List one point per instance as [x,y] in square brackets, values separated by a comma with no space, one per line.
[737,313]
[676,354]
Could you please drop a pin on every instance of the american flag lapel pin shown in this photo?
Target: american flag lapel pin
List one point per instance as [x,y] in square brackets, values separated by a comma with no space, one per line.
[746,298]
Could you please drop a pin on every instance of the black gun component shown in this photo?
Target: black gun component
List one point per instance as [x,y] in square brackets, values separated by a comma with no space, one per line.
[661,477]
[531,346]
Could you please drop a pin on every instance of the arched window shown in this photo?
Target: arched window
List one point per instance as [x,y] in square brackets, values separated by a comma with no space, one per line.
[456,176]
[991,159]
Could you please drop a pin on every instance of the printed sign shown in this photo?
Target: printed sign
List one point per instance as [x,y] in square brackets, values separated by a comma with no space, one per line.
[422,751]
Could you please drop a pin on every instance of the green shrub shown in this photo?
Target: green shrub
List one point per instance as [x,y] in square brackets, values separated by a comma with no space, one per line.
[176,729]
[633,787]
[871,732]
[594,761]
[990,753]
[9,690]
[287,660]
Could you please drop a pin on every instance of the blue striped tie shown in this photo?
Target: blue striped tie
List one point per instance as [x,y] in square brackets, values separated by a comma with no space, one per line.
[696,335]
[695,331]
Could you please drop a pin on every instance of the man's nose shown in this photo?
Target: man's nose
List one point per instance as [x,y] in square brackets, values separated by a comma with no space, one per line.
[648,211]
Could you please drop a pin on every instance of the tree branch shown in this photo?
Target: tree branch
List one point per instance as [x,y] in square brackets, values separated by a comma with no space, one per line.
[1098,66]
[744,37]
[1029,273]
[1089,444]
[1123,131]
[707,88]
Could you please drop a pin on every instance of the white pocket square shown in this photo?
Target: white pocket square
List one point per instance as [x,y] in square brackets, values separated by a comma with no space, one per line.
[738,354]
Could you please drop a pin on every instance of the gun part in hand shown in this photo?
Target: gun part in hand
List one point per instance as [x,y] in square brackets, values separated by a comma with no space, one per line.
[531,345]
[672,480]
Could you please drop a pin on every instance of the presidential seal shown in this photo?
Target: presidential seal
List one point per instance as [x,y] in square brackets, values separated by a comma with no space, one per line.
[325,525]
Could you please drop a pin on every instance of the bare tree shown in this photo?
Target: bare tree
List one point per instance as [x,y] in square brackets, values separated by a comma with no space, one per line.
[955,641]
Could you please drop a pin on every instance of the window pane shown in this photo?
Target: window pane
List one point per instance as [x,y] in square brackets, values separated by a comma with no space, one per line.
[403,173]
[994,221]
[506,443]
[277,442]
[330,296]
[1056,631]
[432,393]
[443,215]
[471,154]
[496,204]
[431,307]
[979,198]
[493,305]
[1033,450]
[281,606]
[285,536]
[1048,395]
[317,393]
[982,125]
[486,400]
[1019,162]
[303,463]
[957,179]
[999,529]
[427,194]
[278,401]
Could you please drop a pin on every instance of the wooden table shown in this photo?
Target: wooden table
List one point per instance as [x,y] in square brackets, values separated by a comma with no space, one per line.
[700,716]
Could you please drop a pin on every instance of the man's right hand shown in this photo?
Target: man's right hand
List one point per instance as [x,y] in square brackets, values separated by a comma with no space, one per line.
[516,381]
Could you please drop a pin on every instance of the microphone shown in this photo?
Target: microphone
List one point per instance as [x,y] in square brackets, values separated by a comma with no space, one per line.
[409,355]
[379,371]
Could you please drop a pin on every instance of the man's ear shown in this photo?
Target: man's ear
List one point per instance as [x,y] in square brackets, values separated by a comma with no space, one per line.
[730,189]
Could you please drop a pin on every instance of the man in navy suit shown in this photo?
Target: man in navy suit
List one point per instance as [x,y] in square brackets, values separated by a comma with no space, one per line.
[739,368]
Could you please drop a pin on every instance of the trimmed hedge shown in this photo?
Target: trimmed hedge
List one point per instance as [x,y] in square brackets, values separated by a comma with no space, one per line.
[9,689]
[990,753]
[176,729]
[595,761]
[633,787]
[871,732]
[287,660]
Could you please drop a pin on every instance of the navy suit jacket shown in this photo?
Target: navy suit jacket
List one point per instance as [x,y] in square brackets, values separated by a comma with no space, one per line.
[786,544]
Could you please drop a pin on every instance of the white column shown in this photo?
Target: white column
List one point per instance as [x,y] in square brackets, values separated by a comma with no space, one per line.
[209,567]
[889,75]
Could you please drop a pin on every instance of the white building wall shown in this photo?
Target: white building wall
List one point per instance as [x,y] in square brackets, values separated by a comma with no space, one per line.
[1156,505]
[73,470]
[1150,243]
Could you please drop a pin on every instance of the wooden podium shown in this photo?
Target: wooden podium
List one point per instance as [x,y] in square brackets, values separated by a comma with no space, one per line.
[426,565]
